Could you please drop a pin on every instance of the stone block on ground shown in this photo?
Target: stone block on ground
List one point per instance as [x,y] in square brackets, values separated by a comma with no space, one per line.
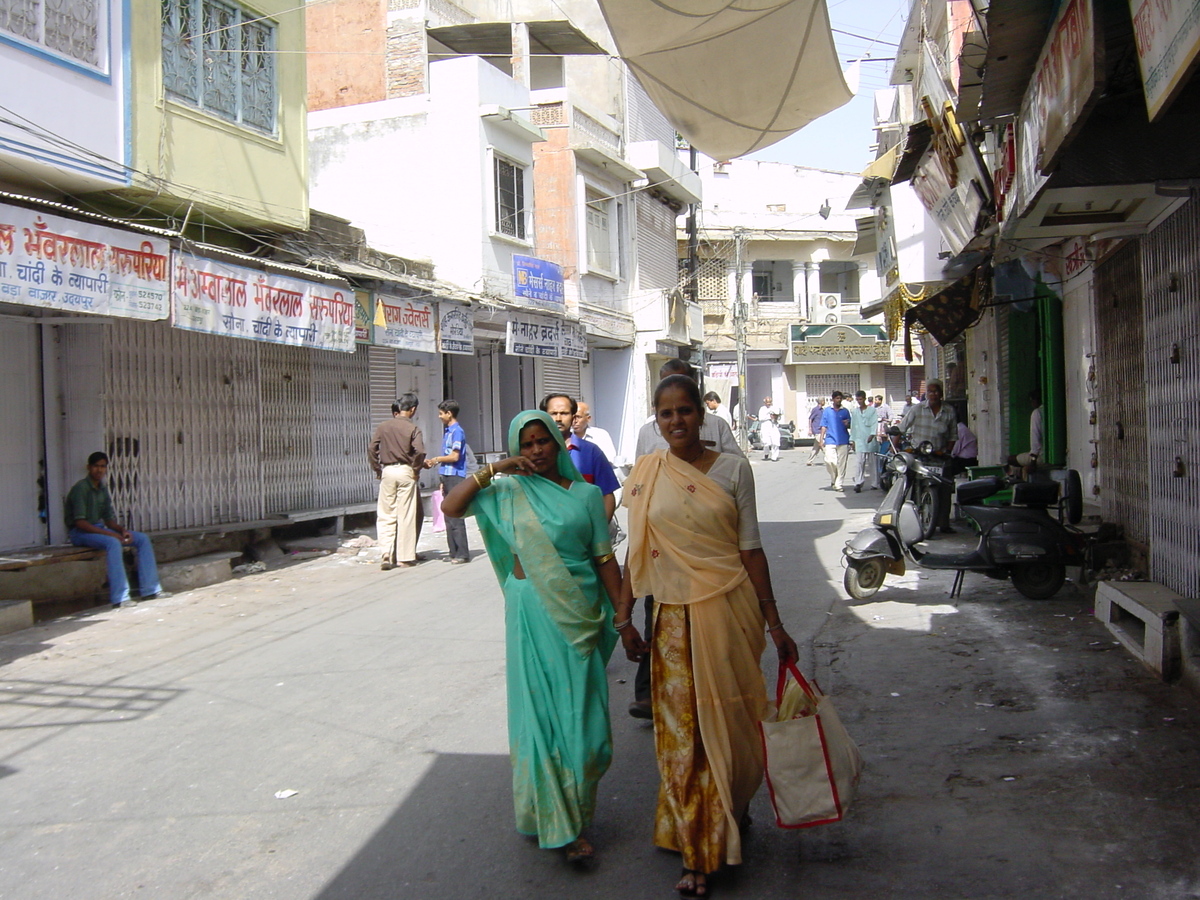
[265,550]
[187,574]
[1143,616]
[15,615]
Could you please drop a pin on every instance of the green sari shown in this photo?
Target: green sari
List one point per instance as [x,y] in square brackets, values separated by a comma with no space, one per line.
[559,636]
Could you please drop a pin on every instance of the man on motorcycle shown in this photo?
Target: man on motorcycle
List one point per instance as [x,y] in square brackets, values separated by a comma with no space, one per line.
[935,422]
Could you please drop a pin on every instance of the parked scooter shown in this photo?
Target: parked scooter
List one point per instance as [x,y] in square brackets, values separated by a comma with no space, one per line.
[1021,541]
[924,472]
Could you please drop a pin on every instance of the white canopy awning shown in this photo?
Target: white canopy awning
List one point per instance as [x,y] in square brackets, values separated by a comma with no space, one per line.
[732,79]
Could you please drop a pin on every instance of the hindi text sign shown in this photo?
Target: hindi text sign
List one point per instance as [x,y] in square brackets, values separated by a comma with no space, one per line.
[538,281]
[411,324]
[530,335]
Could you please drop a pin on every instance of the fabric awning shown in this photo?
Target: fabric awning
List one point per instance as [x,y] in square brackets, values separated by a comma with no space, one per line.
[732,78]
[951,310]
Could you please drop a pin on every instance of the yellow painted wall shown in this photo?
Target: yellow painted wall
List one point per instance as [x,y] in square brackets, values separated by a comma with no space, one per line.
[238,176]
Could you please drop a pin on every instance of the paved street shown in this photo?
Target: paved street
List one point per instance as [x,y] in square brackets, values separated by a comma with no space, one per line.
[1013,750]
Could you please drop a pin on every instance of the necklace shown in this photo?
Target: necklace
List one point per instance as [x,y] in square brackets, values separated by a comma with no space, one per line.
[696,457]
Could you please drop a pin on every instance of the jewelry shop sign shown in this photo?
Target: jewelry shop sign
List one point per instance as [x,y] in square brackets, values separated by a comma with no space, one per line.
[58,263]
[217,298]
[533,336]
[410,325]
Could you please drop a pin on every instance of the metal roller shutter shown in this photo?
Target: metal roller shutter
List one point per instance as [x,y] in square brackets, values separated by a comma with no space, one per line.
[558,376]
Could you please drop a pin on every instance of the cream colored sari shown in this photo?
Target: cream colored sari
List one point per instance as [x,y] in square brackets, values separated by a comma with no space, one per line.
[707,684]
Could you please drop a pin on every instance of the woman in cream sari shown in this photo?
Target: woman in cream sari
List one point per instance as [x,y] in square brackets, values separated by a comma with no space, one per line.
[694,545]
[547,537]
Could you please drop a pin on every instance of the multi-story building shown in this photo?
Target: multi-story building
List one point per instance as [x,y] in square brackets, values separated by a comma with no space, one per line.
[509,149]
[780,238]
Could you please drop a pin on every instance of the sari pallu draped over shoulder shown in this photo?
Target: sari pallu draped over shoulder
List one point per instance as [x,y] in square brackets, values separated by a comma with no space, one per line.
[684,550]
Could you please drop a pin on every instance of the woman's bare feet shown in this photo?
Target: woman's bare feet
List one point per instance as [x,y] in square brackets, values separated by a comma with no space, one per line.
[692,884]
[580,851]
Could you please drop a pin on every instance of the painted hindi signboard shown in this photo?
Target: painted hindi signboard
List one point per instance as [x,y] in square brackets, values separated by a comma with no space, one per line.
[533,336]
[233,301]
[410,324]
[539,281]
[456,329]
[59,263]
[1167,33]
[574,341]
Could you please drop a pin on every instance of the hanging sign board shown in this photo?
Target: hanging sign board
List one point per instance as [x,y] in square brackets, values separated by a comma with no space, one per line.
[539,281]
[1168,42]
[59,263]
[410,324]
[218,298]
[529,335]
[574,341]
[456,329]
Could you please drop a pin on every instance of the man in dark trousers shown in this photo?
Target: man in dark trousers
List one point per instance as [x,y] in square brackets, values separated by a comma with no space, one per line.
[452,469]
[397,454]
[93,523]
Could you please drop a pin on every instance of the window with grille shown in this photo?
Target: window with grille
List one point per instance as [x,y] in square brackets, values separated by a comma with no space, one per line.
[510,199]
[74,29]
[601,244]
[220,58]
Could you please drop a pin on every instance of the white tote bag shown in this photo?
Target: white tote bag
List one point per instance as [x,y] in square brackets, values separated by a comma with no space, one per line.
[812,765]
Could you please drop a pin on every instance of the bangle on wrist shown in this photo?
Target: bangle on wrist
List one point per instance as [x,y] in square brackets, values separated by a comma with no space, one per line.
[766,599]
[620,625]
[775,627]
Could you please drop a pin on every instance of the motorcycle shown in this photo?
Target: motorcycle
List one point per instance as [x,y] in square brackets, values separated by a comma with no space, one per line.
[1020,541]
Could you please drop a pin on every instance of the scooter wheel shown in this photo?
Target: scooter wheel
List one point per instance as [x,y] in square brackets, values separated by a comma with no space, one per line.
[1039,581]
[864,577]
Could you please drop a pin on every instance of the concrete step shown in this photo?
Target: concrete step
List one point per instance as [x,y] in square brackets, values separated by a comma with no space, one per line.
[197,571]
[15,615]
[1142,615]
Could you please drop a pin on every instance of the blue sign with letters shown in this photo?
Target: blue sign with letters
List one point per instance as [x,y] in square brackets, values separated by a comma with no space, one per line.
[539,281]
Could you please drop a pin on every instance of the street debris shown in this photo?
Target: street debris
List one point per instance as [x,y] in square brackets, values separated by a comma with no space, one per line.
[283,795]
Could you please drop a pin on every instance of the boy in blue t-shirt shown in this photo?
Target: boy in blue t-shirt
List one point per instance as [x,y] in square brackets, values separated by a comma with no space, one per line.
[835,436]
[452,467]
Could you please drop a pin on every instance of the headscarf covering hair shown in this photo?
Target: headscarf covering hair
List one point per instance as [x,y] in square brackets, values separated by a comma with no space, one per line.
[566,467]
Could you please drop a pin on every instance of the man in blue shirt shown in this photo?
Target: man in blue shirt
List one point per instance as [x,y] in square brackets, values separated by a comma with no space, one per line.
[835,438]
[452,468]
[589,459]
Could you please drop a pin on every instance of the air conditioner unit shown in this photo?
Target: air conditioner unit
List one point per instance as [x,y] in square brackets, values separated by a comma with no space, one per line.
[827,308]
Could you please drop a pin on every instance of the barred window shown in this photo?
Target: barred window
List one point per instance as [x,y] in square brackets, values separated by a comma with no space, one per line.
[510,199]
[69,28]
[220,58]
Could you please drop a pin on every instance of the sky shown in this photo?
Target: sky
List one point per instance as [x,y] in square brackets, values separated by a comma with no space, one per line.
[841,140]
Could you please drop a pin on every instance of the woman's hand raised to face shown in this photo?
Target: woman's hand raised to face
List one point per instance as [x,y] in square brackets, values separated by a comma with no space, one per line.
[514,465]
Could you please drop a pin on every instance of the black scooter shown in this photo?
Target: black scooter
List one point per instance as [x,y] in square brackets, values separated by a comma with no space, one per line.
[1021,541]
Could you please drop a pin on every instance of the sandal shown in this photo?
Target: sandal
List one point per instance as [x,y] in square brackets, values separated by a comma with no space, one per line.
[580,851]
[691,886]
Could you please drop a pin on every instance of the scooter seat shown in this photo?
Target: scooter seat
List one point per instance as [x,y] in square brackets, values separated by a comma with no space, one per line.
[975,492]
[1035,494]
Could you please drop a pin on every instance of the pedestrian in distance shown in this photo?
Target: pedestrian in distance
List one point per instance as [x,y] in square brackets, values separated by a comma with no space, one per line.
[396,454]
[864,427]
[712,401]
[452,469]
[585,430]
[814,429]
[935,422]
[768,429]
[588,458]
[93,523]
[546,534]
[695,546]
[835,439]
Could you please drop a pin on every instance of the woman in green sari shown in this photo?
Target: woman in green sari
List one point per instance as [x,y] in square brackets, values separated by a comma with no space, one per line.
[547,537]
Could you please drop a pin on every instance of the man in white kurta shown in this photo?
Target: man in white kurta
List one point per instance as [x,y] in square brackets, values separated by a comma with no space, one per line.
[768,428]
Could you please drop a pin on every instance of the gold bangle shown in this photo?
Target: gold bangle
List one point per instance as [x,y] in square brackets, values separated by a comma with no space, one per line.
[491,467]
[482,480]
[601,560]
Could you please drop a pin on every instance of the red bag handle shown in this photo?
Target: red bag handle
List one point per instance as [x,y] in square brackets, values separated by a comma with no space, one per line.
[784,669]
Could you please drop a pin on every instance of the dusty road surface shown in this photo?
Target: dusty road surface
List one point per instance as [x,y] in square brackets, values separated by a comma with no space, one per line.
[1013,750]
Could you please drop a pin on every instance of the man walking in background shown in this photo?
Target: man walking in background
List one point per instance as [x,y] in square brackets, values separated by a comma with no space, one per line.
[452,468]
[397,454]
[589,459]
[814,429]
[864,425]
[713,401]
[768,429]
[835,438]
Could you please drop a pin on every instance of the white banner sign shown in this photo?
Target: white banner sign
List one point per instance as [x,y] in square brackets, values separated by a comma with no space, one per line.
[233,301]
[59,263]
[1168,43]
[456,329]
[410,325]
[533,336]
[574,341]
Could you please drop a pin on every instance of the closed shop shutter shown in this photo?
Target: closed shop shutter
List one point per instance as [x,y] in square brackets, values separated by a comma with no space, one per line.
[558,376]
[1121,397]
[895,384]
[382,364]
[21,442]
[1002,345]
[1172,366]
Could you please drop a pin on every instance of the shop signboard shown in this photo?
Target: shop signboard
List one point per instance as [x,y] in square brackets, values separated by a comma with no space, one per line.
[538,281]
[574,341]
[218,298]
[364,315]
[407,324]
[1167,33]
[530,335]
[456,329]
[838,344]
[57,263]
[1066,81]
